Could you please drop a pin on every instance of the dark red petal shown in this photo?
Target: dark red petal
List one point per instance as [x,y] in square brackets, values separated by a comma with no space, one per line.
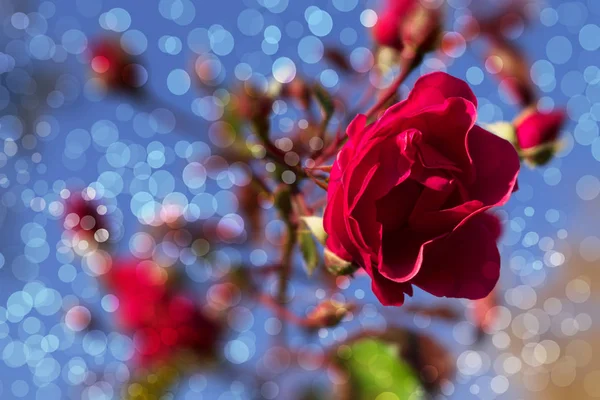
[496,165]
[465,263]
[388,292]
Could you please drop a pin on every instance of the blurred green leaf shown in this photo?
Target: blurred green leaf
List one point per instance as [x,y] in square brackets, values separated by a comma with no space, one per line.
[308,247]
[325,101]
[376,371]
[315,225]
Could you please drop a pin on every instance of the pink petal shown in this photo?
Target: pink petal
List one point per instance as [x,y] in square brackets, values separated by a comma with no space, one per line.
[431,90]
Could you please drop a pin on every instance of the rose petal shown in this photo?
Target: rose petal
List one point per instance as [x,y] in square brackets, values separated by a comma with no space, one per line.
[445,128]
[465,263]
[496,165]
[401,255]
[388,292]
[338,239]
[429,91]
[395,207]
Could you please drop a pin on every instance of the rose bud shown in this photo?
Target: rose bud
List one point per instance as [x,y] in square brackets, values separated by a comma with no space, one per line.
[512,69]
[116,68]
[328,313]
[537,134]
[386,31]
[422,30]
[407,23]
[86,219]
[433,363]
[408,195]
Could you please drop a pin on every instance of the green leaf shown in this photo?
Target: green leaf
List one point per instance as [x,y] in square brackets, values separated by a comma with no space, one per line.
[315,224]
[308,247]
[376,371]
[325,101]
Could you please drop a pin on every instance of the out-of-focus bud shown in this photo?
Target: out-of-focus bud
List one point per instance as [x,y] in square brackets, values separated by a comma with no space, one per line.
[408,23]
[513,70]
[86,219]
[537,134]
[299,91]
[328,314]
[115,68]
[336,265]
[422,29]
[431,361]
[386,31]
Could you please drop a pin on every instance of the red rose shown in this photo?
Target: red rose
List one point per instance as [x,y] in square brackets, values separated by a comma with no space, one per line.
[163,324]
[408,193]
[537,128]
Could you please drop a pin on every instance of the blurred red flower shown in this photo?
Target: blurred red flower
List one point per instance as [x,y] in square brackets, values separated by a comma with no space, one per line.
[164,324]
[407,23]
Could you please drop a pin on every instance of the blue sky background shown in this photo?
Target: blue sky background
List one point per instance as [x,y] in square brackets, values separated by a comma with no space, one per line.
[42,359]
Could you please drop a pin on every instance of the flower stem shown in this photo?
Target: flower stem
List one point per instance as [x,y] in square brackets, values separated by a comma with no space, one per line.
[409,63]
